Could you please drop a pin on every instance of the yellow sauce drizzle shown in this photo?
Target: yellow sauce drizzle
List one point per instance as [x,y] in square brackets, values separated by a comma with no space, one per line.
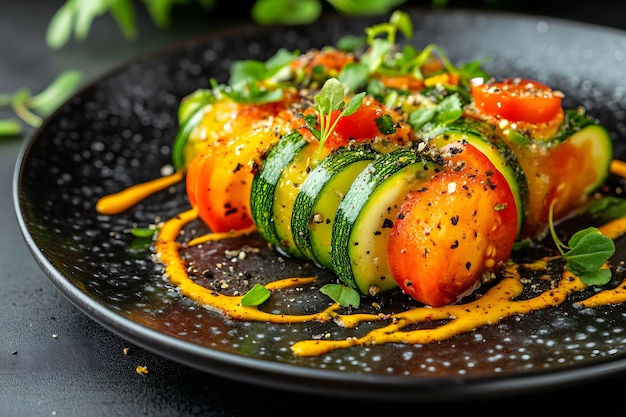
[499,302]
[214,237]
[618,168]
[167,249]
[123,200]
[494,306]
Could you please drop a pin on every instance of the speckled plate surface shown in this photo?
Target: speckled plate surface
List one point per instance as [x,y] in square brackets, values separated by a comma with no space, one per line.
[117,132]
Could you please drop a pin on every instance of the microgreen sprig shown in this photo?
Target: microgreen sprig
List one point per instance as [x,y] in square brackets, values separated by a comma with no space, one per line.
[257,82]
[586,252]
[331,98]
[32,108]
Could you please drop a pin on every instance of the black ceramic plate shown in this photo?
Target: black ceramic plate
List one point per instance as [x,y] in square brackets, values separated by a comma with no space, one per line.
[117,132]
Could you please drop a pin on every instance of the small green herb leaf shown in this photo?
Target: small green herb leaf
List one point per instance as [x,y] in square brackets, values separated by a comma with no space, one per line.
[56,93]
[419,117]
[267,12]
[447,111]
[342,294]
[331,98]
[141,232]
[586,252]
[607,208]
[256,296]
[10,128]
[598,278]
[589,250]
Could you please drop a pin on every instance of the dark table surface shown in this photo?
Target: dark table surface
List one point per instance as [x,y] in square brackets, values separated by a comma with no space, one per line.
[54,360]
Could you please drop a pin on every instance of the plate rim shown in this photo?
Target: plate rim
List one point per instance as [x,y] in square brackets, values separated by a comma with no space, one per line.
[397,388]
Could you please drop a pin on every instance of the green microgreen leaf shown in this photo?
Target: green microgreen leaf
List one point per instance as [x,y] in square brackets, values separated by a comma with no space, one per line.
[589,250]
[399,21]
[370,7]
[142,232]
[351,43]
[85,13]
[342,295]
[253,81]
[256,296]
[420,117]
[60,27]
[10,128]
[606,208]
[331,98]
[354,76]
[268,12]
[123,13]
[30,109]
[19,103]
[447,111]
[56,93]
[586,252]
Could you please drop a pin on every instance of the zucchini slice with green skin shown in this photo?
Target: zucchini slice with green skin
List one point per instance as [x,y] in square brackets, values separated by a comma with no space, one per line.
[600,145]
[562,170]
[275,186]
[365,218]
[180,157]
[484,137]
[318,198]
[573,121]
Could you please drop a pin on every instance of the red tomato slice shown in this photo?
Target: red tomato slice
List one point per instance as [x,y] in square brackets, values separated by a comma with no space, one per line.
[517,100]
[461,224]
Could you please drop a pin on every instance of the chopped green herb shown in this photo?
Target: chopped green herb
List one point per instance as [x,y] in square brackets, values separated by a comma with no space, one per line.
[385,124]
[256,296]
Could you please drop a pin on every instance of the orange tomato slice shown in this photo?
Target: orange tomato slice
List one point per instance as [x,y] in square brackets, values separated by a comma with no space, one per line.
[517,100]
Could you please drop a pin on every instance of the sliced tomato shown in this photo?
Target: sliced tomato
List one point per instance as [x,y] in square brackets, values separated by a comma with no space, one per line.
[517,100]
[447,234]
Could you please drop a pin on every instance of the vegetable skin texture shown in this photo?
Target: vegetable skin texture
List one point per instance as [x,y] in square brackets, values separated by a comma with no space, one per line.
[319,196]
[566,169]
[459,226]
[263,193]
[365,217]
[517,100]
[220,187]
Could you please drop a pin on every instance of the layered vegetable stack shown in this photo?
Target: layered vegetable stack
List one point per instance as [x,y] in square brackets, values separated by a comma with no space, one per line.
[387,165]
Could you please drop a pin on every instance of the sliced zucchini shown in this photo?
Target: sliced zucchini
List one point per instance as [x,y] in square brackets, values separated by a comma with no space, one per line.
[484,137]
[597,141]
[365,218]
[275,187]
[182,154]
[562,170]
[319,196]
